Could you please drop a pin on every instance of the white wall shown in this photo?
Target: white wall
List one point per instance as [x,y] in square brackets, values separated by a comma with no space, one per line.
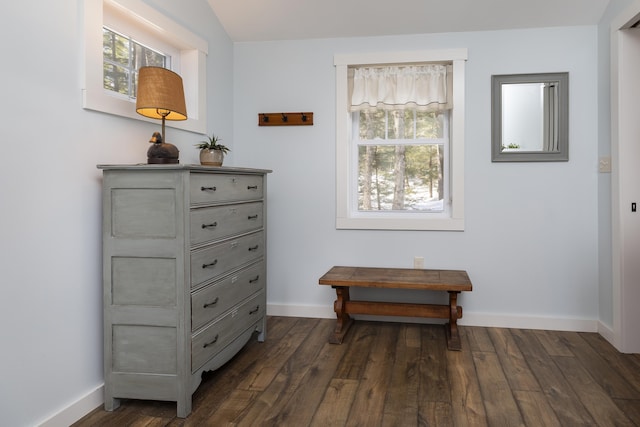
[531,239]
[50,238]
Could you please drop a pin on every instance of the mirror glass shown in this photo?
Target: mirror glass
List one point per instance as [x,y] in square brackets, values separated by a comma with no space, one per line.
[530,117]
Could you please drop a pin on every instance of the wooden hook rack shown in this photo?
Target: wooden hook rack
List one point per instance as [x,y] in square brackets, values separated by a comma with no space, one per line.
[285,119]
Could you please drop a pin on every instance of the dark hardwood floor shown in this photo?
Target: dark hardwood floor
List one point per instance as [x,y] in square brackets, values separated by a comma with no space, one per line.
[397,374]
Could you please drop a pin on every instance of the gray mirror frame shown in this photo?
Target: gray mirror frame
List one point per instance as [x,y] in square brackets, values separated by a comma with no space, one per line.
[497,154]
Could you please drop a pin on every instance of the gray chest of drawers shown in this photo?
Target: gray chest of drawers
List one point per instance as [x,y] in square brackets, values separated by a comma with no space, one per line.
[184,274]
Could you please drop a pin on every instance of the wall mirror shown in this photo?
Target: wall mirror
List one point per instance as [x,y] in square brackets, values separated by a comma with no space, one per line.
[530,117]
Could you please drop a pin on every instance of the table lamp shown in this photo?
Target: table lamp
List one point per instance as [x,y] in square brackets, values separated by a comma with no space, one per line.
[160,96]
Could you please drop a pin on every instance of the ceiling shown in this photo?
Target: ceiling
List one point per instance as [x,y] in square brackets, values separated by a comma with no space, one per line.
[262,20]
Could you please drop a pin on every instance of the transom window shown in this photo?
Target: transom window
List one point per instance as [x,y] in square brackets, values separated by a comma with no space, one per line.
[119,37]
[122,58]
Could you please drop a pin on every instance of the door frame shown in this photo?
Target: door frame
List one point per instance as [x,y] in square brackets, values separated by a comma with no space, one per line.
[625,183]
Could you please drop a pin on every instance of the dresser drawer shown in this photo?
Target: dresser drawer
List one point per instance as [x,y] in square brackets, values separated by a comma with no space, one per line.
[213,300]
[216,260]
[221,221]
[212,339]
[209,188]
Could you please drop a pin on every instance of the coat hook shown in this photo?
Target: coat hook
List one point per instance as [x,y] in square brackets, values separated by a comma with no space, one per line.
[304,117]
[265,118]
[284,118]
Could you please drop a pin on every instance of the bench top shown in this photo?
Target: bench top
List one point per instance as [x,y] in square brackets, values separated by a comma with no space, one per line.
[398,278]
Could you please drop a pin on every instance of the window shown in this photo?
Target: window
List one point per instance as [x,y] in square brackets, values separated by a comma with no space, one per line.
[400,140]
[122,58]
[123,35]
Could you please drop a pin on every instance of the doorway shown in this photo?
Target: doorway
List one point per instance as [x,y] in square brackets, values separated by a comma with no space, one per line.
[625,150]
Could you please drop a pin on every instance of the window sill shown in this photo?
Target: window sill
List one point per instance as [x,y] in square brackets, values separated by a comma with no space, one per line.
[422,224]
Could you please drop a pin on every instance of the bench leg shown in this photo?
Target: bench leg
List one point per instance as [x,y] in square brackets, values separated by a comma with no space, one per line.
[451,328]
[344,320]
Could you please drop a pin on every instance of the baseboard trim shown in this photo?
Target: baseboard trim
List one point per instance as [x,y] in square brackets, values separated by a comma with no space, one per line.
[608,334]
[469,319]
[78,409]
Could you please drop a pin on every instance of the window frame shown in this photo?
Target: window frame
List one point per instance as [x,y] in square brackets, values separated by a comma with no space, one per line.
[346,217]
[190,61]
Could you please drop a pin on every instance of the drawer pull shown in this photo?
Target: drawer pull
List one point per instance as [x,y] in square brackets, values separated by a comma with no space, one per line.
[212,303]
[255,310]
[252,187]
[255,279]
[211,343]
[208,189]
[252,217]
[253,248]
[213,225]
[215,261]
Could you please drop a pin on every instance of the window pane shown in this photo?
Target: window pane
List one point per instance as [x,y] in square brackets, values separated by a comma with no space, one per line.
[401,178]
[116,78]
[143,57]
[372,124]
[429,125]
[400,124]
[115,47]
[122,58]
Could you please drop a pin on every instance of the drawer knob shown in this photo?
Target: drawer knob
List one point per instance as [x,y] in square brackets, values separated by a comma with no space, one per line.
[211,342]
[212,225]
[252,187]
[255,279]
[212,303]
[253,216]
[255,310]
[215,261]
[208,189]
[253,248]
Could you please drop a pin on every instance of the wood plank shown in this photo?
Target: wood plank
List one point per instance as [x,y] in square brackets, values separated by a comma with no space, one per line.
[627,365]
[434,393]
[272,407]
[363,335]
[498,399]
[336,403]
[535,409]
[601,370]
[376,308]
[559,393]
[553,343]
[398,278]
[466,399]
[603,410]
[302,403]
[401,402]
[513,363]
[368,404]
[479,339]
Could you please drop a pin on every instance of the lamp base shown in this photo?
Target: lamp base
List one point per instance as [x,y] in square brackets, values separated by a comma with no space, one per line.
[162,153]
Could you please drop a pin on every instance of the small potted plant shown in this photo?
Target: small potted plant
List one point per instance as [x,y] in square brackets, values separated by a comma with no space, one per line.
[211,152]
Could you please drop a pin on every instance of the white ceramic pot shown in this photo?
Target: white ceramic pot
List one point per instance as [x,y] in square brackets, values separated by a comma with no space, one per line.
[210,157]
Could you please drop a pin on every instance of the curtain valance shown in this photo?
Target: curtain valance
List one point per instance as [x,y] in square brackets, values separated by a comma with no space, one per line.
[423,87]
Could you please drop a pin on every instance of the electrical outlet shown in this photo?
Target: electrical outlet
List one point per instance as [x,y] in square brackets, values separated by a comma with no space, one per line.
[418,262]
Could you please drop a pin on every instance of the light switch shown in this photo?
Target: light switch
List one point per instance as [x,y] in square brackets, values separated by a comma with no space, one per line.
[604,164]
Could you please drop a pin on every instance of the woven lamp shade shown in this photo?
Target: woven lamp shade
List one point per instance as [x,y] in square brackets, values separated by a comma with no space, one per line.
[160,94]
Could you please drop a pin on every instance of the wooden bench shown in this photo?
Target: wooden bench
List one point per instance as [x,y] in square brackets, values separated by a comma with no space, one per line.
[451,281]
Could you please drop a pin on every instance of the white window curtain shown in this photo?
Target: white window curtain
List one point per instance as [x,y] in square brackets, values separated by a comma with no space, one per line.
[421,87]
